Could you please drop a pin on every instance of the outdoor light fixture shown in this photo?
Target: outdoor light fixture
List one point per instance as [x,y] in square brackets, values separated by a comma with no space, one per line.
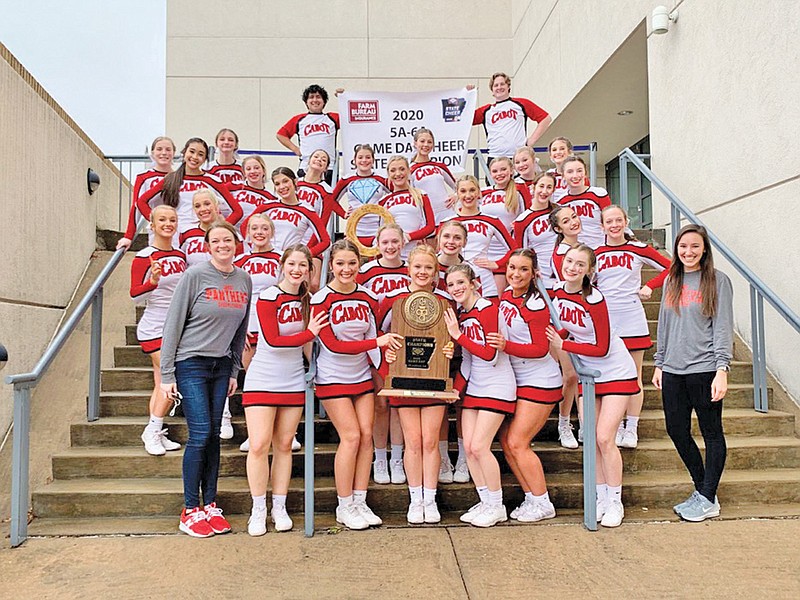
[3,356]
[625,113]
[661,19]
[92,181]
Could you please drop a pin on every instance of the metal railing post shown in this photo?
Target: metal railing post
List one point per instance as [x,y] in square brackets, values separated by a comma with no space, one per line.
[589,454]
[308,451]
[20,461]
[93,403]
[623,183]
[762,400]
[475,166]
[593,163]
[675,223]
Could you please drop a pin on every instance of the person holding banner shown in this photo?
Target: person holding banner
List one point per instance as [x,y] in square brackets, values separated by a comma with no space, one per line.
[433,178]
[505,120]
[365,187]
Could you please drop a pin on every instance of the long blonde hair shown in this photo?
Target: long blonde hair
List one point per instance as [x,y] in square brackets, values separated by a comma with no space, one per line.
[415,193]
[512,197]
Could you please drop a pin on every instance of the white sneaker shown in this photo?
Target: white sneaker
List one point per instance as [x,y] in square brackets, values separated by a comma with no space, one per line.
[473,512]
[225,428]
[245,446]
[296,445]
[257,523]
[537,511]
[168,444]
[630,439]
[416,513]
[431,511]
[152,442]
[520,509]
[580,435]
[602,506]
[461,474]
[445,471]
[397,470]
[619,436]
[367,514]
[614,514]
[350,517]
[490,516]
[281,518]
[380,472]
[566,437]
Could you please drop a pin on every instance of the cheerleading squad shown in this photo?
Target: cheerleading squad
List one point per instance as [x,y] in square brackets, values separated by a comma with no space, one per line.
[231,282]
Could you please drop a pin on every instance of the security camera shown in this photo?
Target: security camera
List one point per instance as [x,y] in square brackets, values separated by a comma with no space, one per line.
[661,18]
[3,356]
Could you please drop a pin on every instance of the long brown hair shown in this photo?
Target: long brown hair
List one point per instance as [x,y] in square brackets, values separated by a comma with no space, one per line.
[304,293]
[530,254]
[170,193]
[673,289]
[586,283]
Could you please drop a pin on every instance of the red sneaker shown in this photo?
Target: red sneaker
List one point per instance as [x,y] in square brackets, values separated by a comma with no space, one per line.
[194,523]
[215,520]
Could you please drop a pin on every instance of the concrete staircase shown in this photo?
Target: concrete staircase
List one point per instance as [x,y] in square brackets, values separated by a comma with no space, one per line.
[105,473]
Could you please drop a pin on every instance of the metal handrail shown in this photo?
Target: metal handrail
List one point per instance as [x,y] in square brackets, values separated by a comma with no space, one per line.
[758,289]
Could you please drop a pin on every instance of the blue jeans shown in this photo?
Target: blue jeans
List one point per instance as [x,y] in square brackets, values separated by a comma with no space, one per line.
[203,382]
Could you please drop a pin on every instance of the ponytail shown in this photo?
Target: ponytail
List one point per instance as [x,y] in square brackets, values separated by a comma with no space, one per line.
[170,193]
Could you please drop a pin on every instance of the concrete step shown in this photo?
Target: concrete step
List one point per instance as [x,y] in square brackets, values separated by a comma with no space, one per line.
[152,497]
[652,455]
[126,431]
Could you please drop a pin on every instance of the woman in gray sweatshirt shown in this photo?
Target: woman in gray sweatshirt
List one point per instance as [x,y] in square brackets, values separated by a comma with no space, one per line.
[692,360]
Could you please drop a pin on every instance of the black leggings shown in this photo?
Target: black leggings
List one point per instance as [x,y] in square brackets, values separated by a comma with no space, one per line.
[680,394]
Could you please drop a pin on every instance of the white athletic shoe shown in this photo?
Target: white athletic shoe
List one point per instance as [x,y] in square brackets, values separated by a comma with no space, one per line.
[602,506]
[445,471]
[461,474]
[380,472]
[350,517]
[566,437]
[281,518]
[225,428]
[152,442]
[620,434]
[296,445]
[245,446]
[416,513]
[490,516]
[537,511]
[580,435]
[614,514]
[168,444]
[257,523]
[630,439]
[397,470]
[431,511]
[367,514]
[473,512]
[520,509]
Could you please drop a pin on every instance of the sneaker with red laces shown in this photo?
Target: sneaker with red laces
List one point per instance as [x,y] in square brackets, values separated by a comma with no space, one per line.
[216,521]
[193,522]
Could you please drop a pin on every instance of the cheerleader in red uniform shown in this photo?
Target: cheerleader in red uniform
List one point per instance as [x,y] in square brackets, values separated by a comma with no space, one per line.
[383,276]
[162,151]
[532,228]
[274,387]
[252,194]
[314,192]
[226,165]
[568,227]
[485,231]
[362,188]
[433,178]
[344,380]
[538,381]
[587,201]
[193,241]
[560,149]
[155,272]
[527,168]
[619,277]
[489,391]
[583,313]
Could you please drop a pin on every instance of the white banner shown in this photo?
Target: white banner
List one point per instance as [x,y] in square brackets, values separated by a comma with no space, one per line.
[388,120]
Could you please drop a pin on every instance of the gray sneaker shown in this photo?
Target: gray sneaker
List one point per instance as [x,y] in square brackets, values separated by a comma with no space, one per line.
[690,500]
[700,510]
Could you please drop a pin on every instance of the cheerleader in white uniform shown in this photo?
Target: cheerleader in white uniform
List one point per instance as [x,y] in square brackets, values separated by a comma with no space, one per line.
[532,228]
[538,381]
[527,168]
[274,387]
[619,277]
[226,165]
[433,178]
[193,241]
[344,381]
[587,201]
[315,193]
[362,188]
[252,194]
[583,313]
[560,149]
[489,391]
[568,227]
[155,271]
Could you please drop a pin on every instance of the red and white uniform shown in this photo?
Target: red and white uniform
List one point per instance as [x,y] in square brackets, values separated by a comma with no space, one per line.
[229,174]
[144,181]
[276,376]
[493,205]
[436,180]
[349,345]
[369,224]
[265,271]
[482,230]
[228,206]
[588,206]
[561,189]
[292,221]
[314,131]
[505,123]
[250,199]
[486,377]
[587,332]
[557,262]
[157,297]
[619,276]
[537,373]
[532,230]
[416,221]
[382,280]
[193,245]
[442,283]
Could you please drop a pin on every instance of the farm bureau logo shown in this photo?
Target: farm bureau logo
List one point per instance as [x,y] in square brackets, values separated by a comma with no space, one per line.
[452,109]
[363,111]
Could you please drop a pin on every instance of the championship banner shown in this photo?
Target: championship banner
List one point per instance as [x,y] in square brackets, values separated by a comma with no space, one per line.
[388,120]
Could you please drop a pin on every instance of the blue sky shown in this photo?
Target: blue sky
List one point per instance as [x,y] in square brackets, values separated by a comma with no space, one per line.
[102,60]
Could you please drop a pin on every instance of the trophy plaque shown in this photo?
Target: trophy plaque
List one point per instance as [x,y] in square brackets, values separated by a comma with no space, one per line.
[421,369]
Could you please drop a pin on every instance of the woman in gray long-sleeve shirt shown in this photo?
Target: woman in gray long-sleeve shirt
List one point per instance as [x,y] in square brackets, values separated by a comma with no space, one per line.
[201,355]
[693,355]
